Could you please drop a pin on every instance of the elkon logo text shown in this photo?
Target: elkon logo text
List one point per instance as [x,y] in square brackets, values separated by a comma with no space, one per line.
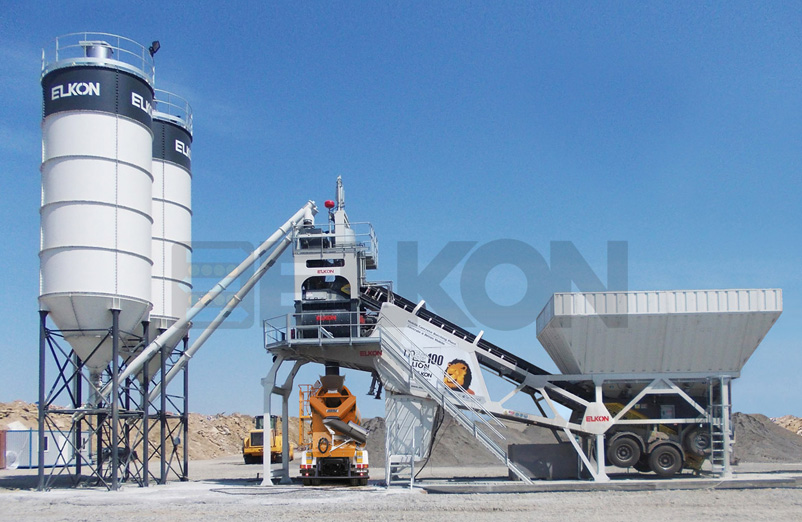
[141,103]
[75,89]
[183,148]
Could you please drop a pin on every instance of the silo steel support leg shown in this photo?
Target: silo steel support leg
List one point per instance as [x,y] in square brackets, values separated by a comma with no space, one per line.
[77,400]
[115,397]
[42,406]
[145,411]
[185,416]
[163,419]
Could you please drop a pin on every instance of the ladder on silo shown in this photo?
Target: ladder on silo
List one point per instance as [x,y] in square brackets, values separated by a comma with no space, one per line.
[452,401]
[720,413]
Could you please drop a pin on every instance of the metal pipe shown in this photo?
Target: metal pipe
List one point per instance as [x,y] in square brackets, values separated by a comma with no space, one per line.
[223,315]
[304,213]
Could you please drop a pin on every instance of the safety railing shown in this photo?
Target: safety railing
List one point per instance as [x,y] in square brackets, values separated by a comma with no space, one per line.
[99,49]
[318,327]
[172,107]
[451,400]
[443,382]
[359,237]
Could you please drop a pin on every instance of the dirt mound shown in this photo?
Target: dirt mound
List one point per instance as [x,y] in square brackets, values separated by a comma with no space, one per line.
[758,439]
[210,436]
[790,422]
[18,411]
[455,446]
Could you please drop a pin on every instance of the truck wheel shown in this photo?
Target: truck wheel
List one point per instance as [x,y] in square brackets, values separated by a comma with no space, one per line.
[665,460]
[363,482]
[248,459]
[306,482]
[624,452]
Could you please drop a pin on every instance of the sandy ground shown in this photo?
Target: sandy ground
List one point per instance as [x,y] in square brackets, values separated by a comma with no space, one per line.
[227,489]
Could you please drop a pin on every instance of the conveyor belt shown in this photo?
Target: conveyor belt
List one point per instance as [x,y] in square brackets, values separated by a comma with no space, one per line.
[515,369]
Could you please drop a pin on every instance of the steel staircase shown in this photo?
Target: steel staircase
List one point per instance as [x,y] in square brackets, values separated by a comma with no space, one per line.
[720,427]
[454,402]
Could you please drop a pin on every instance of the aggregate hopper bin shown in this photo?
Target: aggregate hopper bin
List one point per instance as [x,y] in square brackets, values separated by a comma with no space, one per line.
[677,331]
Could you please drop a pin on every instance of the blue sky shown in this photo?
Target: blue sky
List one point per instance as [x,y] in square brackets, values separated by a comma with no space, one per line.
[671,126]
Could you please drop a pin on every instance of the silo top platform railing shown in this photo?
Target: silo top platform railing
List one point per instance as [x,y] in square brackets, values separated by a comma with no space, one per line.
[174,108]
[99,49]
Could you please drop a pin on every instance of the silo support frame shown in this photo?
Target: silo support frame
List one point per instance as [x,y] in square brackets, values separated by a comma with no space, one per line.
[93,428]
[104,423]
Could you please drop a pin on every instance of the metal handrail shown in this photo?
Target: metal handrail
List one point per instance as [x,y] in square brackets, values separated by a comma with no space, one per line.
[174,107]
[459,395]
[287,328]
[396,352]
[70,49]
[359,236]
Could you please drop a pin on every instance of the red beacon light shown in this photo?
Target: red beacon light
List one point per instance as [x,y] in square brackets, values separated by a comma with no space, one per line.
[329,204]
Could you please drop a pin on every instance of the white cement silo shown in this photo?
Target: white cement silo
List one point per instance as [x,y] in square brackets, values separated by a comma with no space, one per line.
[172,209]
[96,224]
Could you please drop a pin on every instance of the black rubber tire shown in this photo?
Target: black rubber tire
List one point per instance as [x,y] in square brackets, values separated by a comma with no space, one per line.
[642,465]
[624,452]
[363,482]
[665,460]
[306,482]
[698,442]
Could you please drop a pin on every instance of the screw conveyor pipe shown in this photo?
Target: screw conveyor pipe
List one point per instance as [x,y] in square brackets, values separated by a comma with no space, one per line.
[305,213]
[222,316]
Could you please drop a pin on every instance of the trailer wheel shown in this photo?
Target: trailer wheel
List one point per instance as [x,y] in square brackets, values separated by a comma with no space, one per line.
[624,452]
[665,460]
[698,442]
[642,465]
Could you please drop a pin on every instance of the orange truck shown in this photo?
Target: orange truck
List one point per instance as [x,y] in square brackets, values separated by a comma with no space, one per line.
[338,449]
